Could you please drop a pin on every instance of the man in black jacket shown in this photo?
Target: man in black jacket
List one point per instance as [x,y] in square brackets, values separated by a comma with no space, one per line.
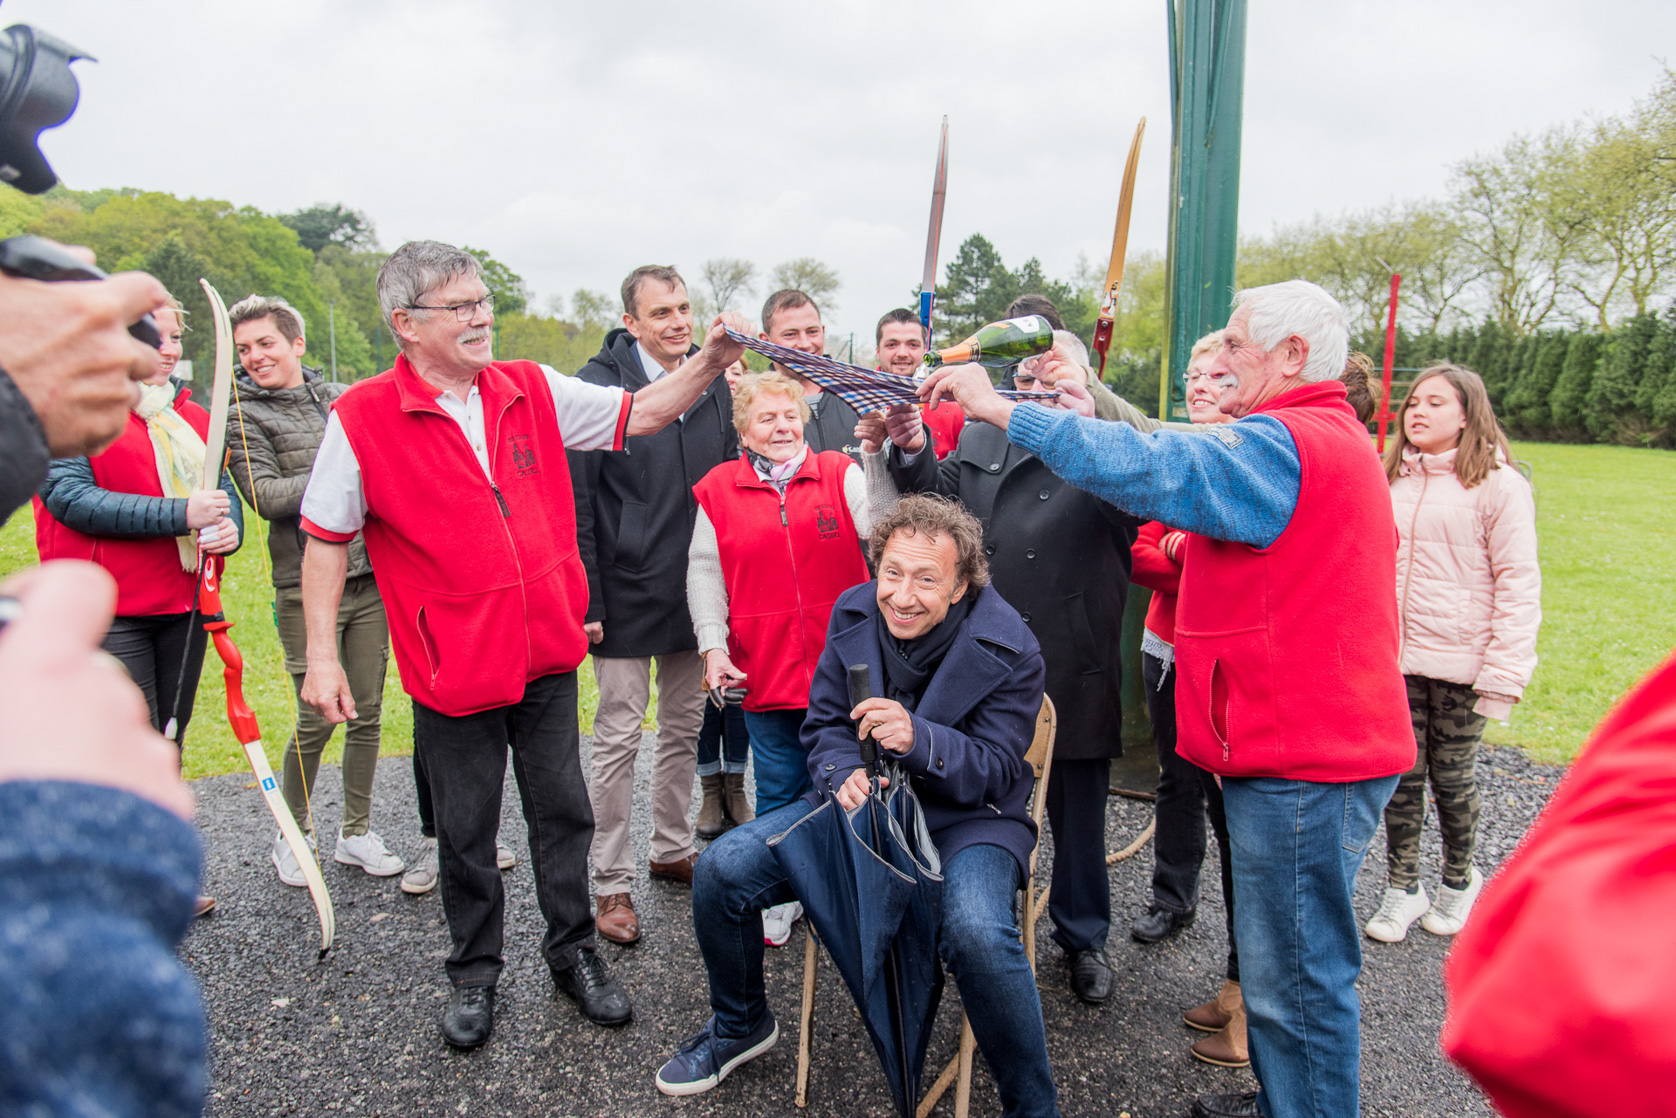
[634,523]
[1061,558]
[791,318]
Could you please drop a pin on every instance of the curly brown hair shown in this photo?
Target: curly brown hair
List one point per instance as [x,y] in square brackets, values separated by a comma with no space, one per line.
[932,515]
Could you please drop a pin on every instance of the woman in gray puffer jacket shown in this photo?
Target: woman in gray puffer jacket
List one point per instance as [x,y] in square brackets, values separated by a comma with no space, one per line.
[274,428]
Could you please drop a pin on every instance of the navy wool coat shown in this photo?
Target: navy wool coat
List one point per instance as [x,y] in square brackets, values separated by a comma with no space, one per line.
[971,729]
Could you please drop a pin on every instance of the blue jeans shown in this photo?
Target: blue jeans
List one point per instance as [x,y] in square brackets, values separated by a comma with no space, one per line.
[1296,848]
[724,745]
[738,877]
[782,762]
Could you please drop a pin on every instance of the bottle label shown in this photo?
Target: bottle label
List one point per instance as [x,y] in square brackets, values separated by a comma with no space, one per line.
[1030,323]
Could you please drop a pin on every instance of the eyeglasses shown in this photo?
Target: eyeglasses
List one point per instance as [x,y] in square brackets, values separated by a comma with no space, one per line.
[465,312]
[1208,378]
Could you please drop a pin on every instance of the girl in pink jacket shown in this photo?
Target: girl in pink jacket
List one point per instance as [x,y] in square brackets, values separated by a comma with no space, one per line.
[1469,599]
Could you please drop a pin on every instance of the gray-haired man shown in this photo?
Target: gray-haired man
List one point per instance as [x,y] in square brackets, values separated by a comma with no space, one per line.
[454,465]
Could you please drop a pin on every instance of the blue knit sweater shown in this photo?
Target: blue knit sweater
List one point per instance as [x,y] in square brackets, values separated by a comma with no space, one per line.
[1237,481]
[99,1017]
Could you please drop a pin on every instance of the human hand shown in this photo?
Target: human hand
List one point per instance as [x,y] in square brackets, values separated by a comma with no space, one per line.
[67,347]
[1172,543]
[220,538]
[719,351]
[205,507]
[1074,396]
[326,689]
[905,427]
[1057,365]
[68,711]
[887,722]
[968,386]
[595,631]
[855,789]
[719,671]
[870,432]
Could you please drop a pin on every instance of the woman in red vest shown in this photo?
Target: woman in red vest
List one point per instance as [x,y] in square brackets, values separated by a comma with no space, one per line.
[775,543]
[132,509]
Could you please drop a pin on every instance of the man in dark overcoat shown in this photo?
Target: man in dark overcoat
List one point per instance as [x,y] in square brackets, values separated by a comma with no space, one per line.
[1061,558]
[634,522]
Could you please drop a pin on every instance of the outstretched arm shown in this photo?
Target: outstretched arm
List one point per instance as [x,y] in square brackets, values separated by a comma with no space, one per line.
[659,403]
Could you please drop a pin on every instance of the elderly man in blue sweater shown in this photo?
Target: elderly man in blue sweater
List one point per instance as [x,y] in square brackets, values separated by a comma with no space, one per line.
[962,681]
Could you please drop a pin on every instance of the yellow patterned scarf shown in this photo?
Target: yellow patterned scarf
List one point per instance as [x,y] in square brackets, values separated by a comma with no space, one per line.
[178,450]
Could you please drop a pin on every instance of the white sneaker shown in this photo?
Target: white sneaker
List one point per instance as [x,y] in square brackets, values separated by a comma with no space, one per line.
[777,921]
[1449,912]
[504,858]
[369,852]
[286,862]
[1397,911]
[422,872]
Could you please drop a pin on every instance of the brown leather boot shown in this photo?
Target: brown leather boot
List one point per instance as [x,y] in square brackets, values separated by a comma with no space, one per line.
[712,816]
[738,805]
[1227,1048]
[1215,1014]
[615,920]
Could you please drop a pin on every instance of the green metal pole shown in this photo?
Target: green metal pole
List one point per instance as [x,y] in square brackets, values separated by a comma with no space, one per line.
[1207,101]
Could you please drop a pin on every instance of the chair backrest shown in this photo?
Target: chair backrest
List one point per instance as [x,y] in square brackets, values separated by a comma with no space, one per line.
[1040,756]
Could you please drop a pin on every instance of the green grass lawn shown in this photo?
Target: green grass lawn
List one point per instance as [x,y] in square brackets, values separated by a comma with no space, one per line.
[1608,603]
[247,594]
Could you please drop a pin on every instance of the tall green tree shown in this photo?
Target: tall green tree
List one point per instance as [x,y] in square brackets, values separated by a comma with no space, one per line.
[810,276]
[1661,364]
[1571,390]
[321,225]
[1611,396]
[1489,359]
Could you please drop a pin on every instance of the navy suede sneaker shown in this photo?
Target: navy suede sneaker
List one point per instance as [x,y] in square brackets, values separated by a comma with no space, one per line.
[705,1060]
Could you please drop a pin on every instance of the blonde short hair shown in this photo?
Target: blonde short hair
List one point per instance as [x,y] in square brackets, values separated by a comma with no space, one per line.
[1210,343]
[771,383]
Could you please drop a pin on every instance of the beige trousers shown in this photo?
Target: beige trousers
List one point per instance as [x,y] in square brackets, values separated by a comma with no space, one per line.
[624,690]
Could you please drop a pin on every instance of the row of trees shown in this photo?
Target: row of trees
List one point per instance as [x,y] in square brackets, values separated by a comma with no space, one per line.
[1575,226]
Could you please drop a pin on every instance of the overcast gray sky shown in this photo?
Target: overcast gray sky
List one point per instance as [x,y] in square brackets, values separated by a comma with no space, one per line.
[577,140]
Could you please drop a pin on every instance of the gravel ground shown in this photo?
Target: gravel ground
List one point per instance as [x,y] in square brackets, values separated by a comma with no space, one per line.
[358,1033]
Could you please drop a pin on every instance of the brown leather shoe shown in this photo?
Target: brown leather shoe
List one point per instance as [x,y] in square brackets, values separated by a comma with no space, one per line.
[680,870]
[615,919]
[1214,1015]
[1227,1048]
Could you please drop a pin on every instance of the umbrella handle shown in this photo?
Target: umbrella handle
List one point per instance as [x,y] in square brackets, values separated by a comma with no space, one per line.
[861,689]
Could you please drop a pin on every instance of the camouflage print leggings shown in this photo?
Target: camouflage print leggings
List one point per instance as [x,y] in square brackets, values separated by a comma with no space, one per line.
[1446,732]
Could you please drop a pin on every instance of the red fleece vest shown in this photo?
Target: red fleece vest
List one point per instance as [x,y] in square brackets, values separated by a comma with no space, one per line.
[1286,656]
[482,581]
[149,578]
[785,561]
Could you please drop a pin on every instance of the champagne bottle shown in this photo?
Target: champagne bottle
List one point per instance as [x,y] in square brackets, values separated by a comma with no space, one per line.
[999,344]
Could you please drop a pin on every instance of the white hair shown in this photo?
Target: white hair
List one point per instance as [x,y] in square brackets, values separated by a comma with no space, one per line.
[1072,345]
[1280,310]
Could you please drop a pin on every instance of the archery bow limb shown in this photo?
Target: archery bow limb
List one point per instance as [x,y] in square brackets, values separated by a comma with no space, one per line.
[239,713]
[934,236]
[1120,246]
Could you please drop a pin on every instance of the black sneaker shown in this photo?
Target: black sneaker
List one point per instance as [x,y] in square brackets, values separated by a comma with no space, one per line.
[588,982]
[705,1060]
[1091,975]
[470,1017]
[1158,923]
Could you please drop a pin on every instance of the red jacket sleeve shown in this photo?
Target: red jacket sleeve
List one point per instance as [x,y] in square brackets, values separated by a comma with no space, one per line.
[1152,568]
[1560,985]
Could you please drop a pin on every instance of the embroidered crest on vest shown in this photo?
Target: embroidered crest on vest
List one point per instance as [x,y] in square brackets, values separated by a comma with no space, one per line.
[826,522]
[523,455]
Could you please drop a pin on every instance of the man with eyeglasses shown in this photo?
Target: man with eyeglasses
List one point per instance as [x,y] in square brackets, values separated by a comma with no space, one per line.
[453,467]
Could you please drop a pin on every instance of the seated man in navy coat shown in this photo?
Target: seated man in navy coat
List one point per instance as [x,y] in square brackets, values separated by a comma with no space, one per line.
[962,681]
